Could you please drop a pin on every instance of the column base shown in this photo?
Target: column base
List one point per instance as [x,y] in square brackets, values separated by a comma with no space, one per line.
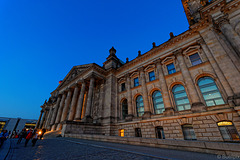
[129,117]
[53,128]
[87,119]
[198,107]
[59,126]
[147,115]
[168,111]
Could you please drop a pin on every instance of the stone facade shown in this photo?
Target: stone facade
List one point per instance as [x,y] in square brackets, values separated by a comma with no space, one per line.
[91,99]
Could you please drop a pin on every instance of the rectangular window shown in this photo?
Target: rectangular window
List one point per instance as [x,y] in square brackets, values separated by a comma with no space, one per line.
[188,132]
[159,133]
[138,132]
[121,132]
[151,76]
[123,88]
[195,59]
[136,82]
[171,68]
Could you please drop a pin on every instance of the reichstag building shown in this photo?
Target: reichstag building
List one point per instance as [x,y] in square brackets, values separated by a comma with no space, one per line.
[187,88]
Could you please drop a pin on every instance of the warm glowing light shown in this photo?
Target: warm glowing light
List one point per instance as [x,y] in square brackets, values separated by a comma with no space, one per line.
[225,123]
[40,132]
[121,132]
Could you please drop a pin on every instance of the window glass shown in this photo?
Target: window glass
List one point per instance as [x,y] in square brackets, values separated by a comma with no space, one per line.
[138,132]
[180,97]
[228,131]
[121,132]
[188,132]
[195,59]
[159,133]
[151,76]
[140,106]
[136,82]
[210,91]
[124,109]
[171,68]
[158,102]
[123,88]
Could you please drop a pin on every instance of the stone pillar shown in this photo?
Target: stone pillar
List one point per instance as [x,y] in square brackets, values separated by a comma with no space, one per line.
[39,119]
[216,68]
[55,111]
[222,58]
[197,105]
[59,114]
[43,119]
[169,110]
[230,34]
[48,118]
[80,102]
[147,112]
[66,105]
[88,117]
[129,99]
[74,103]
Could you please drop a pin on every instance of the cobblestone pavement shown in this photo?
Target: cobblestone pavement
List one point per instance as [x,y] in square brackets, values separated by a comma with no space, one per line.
[77,149]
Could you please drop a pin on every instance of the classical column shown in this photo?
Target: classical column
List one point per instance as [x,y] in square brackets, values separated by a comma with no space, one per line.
[129,98]
[56,107]
[147,112]
[59,114]
[88,117]
[80,101]
[74,103]
[165,95]
[66,105]
[227,30]
[48,117]
[39,119]
[43,119]
[197,105]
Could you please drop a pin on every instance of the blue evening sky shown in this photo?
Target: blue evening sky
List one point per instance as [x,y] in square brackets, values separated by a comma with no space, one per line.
[40,41]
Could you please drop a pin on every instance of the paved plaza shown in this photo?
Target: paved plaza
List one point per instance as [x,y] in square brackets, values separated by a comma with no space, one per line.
[77,149]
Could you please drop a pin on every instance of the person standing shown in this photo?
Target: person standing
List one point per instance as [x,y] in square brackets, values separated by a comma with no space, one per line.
[29,136]
[3,137]
[22,135]
[35,137]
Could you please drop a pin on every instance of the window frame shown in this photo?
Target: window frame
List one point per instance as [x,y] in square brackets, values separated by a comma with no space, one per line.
[188,128]
[229,129]
[153,77]
[139,114]
[161,135]
[122,105]
[138,84]
[138,132]
[154,103]
[171,69]
[200,58]
[180,98]
[123,87]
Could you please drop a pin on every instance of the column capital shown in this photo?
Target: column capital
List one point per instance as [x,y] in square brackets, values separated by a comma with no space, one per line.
[81,81]
[141,69]
[178,52]
[221,21]
[157,61]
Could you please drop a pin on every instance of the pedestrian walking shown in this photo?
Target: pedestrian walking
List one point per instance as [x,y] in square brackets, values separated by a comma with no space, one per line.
[29,136]
[35,137]
[3,137]
[22,135]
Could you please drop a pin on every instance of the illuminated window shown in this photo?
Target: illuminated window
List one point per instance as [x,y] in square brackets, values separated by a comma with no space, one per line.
[210,91]
[159,133]
[2,124]
[171,68]
[158,102]
[195,59]
[124,109]
[181,98]
[139,106]
[188,132]
[136,82]
[151,76]
[228,131]
[121,132]
[138,132]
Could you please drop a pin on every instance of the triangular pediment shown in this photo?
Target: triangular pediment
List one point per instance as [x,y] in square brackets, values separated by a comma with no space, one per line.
[74,73]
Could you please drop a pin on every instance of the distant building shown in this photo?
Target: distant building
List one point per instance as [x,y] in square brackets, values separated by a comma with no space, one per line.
[186,88]
[12,124]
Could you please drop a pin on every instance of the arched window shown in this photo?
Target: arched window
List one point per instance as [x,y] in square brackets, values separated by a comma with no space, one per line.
[140,106]
[228,131]
[158,102]
[210,91]
[181,98]
[124,109]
